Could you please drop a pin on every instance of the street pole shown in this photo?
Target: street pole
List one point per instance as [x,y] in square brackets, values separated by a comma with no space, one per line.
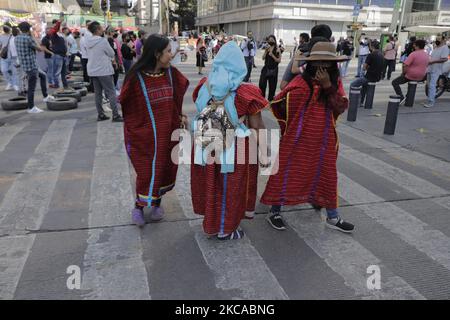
[160,17]
[402,17]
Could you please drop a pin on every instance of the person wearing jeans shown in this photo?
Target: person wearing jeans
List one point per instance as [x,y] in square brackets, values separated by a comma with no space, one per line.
[373,67]
[26,52]
[7,65]
[100,70]
[414,68]
[438,57]
[248,47]
[362,56]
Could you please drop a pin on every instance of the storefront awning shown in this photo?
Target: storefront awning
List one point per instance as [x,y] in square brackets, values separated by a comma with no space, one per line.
[428,29]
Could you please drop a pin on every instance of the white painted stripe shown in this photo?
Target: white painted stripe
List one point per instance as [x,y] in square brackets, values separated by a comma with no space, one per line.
[237,265]
[438,167]
[113,264]
[27,201]
[7,133]
[418,234]
[348,258]
[398,176]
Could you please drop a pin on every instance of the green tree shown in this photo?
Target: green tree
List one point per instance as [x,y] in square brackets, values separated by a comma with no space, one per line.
[96,8]
[186,10]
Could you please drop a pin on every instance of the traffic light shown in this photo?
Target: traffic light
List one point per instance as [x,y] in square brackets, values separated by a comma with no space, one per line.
[104,5]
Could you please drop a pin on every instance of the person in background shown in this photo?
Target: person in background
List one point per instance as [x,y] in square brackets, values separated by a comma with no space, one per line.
[74,49]
[26,51]
[364,51]
[17,69]
[390,54]
[140,43]
[46,43]
[176,50]
[101,71]
[85,34]
[7,68]
[438,57]
[414,68]
[201,51]
[320,32]
[347,50]
[59,49]
[269,73]
[373,68]
[409,47]
[115,62]
[128,52]
[248,47]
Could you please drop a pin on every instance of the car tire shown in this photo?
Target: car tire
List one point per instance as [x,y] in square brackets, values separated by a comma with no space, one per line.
[83,91]
[13,104]
[79,84]
[69,94]
[62,104]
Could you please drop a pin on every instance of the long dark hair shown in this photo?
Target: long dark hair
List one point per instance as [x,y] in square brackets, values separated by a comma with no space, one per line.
[154,44]
[310,72]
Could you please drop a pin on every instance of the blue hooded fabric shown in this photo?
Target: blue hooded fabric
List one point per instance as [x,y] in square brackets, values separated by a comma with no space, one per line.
[228,72]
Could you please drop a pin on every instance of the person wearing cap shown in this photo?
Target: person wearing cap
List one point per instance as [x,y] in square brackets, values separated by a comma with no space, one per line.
[307,110]
[373,67]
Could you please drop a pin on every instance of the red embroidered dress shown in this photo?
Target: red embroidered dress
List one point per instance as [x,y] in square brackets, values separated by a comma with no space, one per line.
[156,173]
[223,199]
[309,146]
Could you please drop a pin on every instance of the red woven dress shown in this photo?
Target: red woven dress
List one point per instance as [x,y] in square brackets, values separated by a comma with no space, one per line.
[223,199]
[309,145]
[156,173]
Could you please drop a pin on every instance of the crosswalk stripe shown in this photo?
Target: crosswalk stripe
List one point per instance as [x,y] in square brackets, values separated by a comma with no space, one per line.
[7,133]
[113,264]
[441,168]
[398,176]
[348,258]
[27,201]
[409,228]
[236,265]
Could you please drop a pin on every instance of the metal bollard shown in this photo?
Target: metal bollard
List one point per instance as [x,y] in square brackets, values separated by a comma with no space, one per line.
[370,95]
[411,95]
[392,114]
[355,101]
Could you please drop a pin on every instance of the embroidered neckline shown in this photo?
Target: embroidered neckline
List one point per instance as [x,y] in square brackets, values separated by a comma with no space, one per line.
[154,75]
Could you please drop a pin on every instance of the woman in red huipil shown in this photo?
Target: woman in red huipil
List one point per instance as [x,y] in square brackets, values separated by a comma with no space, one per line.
[307,110]
[151,99]
[225,193]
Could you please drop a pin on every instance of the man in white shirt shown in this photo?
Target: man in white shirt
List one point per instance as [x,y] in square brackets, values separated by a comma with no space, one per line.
[364,51]
[248,47]
[176,50]
[438,57]
[85,34]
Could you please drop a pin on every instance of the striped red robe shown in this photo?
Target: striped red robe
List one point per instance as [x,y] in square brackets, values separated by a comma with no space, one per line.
[223,199]
[309,145]
[154,168]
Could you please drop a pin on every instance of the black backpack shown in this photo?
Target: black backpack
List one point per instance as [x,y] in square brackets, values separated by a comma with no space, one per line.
[250,45]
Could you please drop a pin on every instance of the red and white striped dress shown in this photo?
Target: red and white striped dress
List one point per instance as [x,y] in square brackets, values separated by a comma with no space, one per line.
[307,170]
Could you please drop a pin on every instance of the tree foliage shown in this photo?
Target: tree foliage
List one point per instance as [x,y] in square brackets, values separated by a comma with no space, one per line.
[186,10]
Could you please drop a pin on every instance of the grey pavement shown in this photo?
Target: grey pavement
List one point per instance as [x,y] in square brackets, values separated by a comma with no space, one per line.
[66,192]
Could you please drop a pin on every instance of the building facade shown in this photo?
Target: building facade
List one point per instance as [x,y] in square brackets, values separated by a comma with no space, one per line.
[286,19]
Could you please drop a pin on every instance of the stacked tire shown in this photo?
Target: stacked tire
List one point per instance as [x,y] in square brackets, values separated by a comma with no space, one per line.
[13,104]
[62,104]
[69,94]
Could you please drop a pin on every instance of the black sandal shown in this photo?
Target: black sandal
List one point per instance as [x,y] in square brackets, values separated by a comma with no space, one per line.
[235,235]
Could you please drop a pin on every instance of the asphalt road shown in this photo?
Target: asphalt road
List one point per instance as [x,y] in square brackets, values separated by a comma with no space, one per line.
[66,193]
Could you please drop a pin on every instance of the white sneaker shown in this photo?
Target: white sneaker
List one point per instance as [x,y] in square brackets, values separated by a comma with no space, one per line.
[49,98]
[16,88]
[8,87]
[35,110]
[117,93]
[428,105]
[107,109]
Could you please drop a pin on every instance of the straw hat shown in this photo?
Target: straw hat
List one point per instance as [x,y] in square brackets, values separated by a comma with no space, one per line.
[322,51]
